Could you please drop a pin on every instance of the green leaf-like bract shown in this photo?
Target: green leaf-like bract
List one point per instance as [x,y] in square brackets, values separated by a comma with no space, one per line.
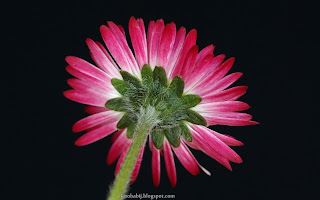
[167,97]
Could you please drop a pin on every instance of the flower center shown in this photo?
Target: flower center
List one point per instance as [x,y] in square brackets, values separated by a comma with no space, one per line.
[166,97]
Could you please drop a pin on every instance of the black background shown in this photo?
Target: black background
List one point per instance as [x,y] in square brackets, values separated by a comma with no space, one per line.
[272,44]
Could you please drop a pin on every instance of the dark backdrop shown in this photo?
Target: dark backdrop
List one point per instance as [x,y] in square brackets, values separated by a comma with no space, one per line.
[266,37]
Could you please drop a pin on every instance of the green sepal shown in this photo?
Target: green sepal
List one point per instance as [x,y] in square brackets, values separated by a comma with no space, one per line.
[120,85]
[157,138]
[187,101]
[130,130]
[130,79]
[117,104]
[173,136]
[185,132]
[147,76]
[160,77]
[124,122]
[176,87]
[193,117]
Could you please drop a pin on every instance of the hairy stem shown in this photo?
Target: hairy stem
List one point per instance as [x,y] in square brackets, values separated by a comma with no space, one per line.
[147,120]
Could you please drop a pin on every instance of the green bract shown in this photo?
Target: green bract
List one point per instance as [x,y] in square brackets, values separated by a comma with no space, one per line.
[155,90]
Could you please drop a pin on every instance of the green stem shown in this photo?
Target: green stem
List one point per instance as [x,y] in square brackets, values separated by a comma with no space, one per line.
[147,120]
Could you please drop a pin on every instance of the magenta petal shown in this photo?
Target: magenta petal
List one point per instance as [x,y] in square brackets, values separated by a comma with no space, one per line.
[155,166]
[230,94]
[87,88]
[213,120]
[122,156]
[166,44]
[153,39]
[169,161]
[96,134]
[204,52]
[177,46]
[139,41]
[228,140]
[117,146]
[93,120]
[79,97]
[187,45]
[186,159]
[102,60]
[107,55]
[136,169]
[94,109]
[223,106]
[189,63]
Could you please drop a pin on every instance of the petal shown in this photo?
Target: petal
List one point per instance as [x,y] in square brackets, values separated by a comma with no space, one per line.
[189,63]
[80,97]
[154,34]
[155,166]
[204,52]
[116,49]
[166,44]
[200,71]
[107,54]
[224,106]
[136,169]
[201,143]
[96,134]
[125,47]
[102,60]
[139,41]
[223,83]
[93,120]
[94,109]
[212,119]
[84,87]
[186,159]
[177,46]
[87,78]
[87,68]
[187,45]
[230,94]
[169,161]
[219,146]
[117,146]
[122,156]
[228,140]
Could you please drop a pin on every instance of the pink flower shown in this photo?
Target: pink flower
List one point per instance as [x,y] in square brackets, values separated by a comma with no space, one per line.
[188,88]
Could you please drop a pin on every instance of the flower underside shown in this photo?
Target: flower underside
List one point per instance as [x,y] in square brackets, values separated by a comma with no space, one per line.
[166,97]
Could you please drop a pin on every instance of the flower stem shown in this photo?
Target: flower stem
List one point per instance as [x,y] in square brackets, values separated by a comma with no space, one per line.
[147,120]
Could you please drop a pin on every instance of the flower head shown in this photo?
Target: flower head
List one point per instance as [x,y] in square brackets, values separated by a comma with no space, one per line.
[186,89]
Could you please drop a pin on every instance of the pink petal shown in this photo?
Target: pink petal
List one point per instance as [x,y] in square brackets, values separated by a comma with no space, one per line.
[117,146]
[169,161]
[87,78]
[122,156]
[125,47]
[200,71]
[186,159]
[188,44]
[228,140]
[122,30]
[224,106]
[87,68]
[213,120]
[153,39]
[96,134]
[201,143]
[155,166]
[217,144]
[80,97]
[138,40]
[93,120]
[230,94]
[84,87]
[107,54]
[166,44]
[177,46]
[94,109]
[204,52]
[102,60]
[223,83]
[136,169]
[115,136]
[214,77]
[189,63]
[116,49]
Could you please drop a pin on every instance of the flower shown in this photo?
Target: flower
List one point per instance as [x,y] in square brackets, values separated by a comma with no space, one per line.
[188,89]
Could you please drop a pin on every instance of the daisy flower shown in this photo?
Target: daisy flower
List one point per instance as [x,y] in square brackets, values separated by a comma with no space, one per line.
[166,91]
